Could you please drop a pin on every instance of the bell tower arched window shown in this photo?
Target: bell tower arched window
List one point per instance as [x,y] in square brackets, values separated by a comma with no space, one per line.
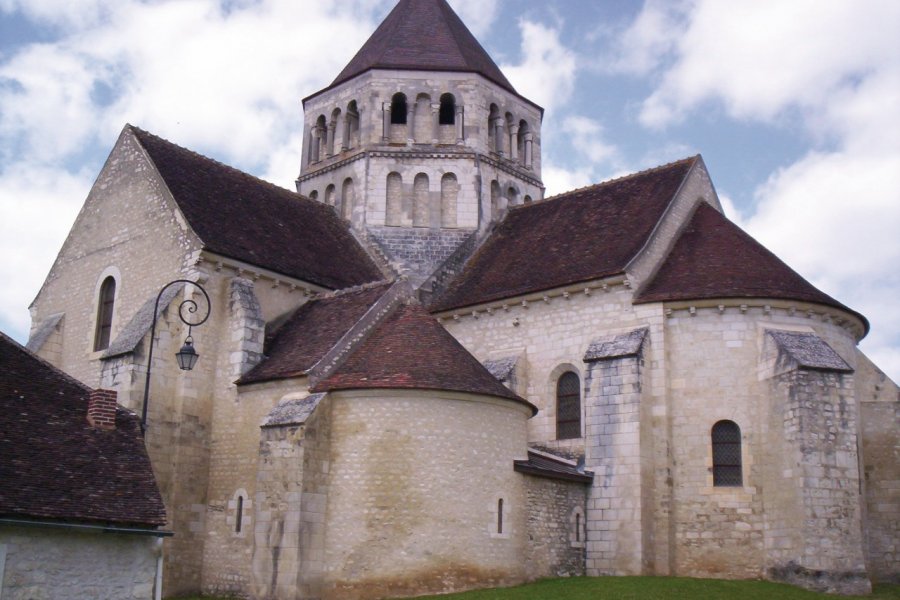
[447,111]
[726,451]
[568,406]
[105,307]
[398,109]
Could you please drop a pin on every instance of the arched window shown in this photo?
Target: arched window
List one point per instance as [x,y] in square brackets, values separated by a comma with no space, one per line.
[447,114]
[726,450]
[449,195]
[351,128]
[329,194]
[512,196]
[494,144]
[527,199]
[314,195]
[348,192]
[420,201]
[394,203]
[495,200]
[398,109]
[568,406]
[105,307]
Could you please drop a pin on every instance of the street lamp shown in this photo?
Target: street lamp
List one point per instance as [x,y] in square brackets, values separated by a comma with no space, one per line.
[187,357]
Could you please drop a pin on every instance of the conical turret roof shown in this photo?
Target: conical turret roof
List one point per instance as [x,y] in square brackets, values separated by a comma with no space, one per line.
[423,35]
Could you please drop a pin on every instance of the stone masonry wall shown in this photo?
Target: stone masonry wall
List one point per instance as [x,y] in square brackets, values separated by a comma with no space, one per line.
[823,549]
[404,517]
[556,527]
[52,563]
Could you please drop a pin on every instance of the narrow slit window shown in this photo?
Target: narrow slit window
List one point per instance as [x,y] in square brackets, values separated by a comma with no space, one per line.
[577,527]
[105,307]
[500,515]
[239,515]
[726,450]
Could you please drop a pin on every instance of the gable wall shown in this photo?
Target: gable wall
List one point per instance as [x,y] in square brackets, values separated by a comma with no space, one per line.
[127,227]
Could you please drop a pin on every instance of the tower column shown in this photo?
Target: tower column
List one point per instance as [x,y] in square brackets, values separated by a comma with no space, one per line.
[386,122]
[435,123]
[529,144]
[498,135]
[329,139]
[345,134]
[460,135]
[514,142]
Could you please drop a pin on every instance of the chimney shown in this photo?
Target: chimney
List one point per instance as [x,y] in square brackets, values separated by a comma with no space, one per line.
[102,409]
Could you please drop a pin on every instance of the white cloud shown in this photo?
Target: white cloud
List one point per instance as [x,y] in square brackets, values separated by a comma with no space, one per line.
[651,36]
[587,138]
[36,212]
[759,58]
[546,74]
[559,179]
[478,15]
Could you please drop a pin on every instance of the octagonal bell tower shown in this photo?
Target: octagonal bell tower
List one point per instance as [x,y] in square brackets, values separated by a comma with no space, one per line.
[421,141]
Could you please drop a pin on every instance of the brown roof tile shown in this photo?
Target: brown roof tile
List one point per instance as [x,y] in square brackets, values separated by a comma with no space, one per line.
[410,349]
[714,258]
[423,35]
[581,235]
[242,217]
[311,332]
[54,465]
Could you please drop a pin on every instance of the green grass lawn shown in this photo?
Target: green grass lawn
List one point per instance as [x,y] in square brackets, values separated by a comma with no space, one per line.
[651,588]
[657,588]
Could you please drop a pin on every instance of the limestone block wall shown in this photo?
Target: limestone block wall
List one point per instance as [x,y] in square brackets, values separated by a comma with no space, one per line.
[556,527]
[879,416]
[617,451]
[823,549]
[404,517]
[129,229]
[552,336]
[54,563]
[737,531]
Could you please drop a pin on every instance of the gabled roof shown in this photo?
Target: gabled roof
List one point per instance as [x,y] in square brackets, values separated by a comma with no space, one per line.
[54,465]
[311,332]
[714,258]
[248,219]
[423,35]
[585,234]
[411,350]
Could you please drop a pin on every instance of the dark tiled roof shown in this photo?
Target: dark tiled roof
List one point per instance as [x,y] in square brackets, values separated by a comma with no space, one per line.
[245,218]
[714,258]
[423,35]
[585,234]
[311,332]
[809,351]
[410,349]
[54,465]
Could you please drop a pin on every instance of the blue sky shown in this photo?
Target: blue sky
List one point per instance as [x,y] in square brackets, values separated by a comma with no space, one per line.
[794,105]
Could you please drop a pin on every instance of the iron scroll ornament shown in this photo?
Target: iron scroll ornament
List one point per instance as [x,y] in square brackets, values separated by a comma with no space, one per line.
[188,306]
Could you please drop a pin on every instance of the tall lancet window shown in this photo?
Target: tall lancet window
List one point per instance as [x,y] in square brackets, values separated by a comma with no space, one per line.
[105,306]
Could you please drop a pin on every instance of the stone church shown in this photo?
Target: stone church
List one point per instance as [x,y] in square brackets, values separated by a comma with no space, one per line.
[421,375]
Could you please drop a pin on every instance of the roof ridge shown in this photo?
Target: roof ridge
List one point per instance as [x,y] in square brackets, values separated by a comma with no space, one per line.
[57,370]
[219,163]
[328,294]
[618,179]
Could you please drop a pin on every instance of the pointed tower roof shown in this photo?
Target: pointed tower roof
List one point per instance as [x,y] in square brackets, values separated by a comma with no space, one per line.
[423,35]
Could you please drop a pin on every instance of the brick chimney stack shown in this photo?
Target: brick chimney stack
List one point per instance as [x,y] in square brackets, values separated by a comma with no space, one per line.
[102,409]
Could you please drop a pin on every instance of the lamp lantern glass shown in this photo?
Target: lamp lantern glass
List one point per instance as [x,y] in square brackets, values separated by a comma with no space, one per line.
[187,356]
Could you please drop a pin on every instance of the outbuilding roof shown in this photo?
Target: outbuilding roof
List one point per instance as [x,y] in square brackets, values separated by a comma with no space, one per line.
[251,220]
[714,258]
[423,35]
[410,350]
[54,465]
[585,234]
